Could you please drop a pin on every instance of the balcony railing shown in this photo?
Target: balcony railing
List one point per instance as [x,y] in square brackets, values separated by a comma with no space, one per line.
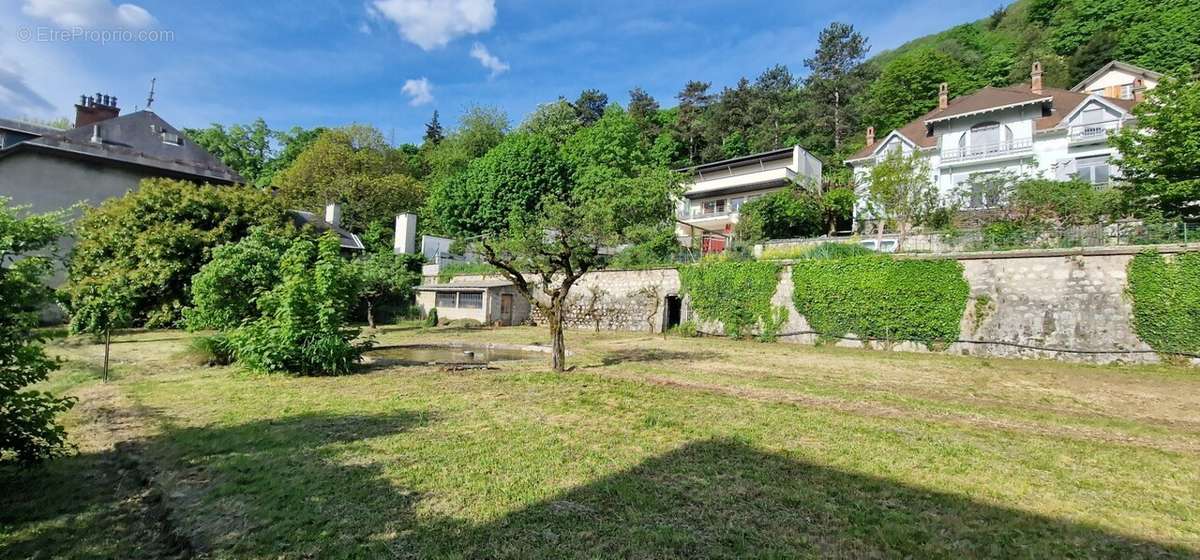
[687,214]
[1012,147]
[1097,132]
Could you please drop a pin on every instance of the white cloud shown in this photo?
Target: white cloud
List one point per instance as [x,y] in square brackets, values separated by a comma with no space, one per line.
[420,91]
[488,60]
[17,97]
[88,13]
[431,24]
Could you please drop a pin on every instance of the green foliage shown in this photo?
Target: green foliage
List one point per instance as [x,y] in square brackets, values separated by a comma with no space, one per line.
[479,130]
[908,83]
[821,251]
[135,256]
[431,320]
[879,297]
[556,121]
[736,293]
[1161,160]
[386,278]
[28,431]
[225,292]
[301,327]
[900,190]
[448,271]
[354,166]
[1065,203]
[244,148]
[686,329]
[1166,301]
[212,350]
[654,246]
[837,206]
[783,214]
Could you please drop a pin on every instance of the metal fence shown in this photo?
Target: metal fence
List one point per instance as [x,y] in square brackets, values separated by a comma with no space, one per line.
[1008,237]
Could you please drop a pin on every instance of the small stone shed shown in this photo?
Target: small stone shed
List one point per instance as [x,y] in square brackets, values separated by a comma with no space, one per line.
[489,301]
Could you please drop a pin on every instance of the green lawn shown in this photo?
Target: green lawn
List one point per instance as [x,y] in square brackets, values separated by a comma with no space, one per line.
[651,447]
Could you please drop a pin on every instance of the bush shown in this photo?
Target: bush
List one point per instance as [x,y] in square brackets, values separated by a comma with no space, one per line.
[147,245]
[226,290]
[386,279]
[783,214]
[686,329]
[657,246]
[301,327]
[1166,301]
[736,293]
[882,298]
[820,251]
[432,319]
[28,431]
[212,350]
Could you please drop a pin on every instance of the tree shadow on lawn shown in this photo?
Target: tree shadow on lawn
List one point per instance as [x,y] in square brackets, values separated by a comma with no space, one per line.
[222,485]
[652,355]
[293,488]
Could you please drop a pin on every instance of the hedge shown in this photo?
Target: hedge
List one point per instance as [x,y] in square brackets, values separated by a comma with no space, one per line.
[882,298]
[736,293]
[1166,301]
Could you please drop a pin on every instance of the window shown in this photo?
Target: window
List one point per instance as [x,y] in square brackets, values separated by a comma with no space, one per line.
[470,300]
[1127,91]
[714,206]
[735,204]
[988,137]
[1095,170]
[447,299]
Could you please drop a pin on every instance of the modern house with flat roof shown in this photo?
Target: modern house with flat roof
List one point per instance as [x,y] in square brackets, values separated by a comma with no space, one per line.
[1026,130]
[708,211]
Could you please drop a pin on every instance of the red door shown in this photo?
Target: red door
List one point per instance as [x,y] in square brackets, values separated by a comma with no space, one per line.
[712,244]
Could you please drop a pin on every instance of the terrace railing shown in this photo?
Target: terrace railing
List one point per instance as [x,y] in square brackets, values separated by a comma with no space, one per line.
[968,153]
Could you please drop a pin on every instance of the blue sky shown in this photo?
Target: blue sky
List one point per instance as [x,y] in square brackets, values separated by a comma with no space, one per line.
[390,63]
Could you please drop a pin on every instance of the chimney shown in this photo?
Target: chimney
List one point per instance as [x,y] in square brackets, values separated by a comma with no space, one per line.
[870,136]
[1036,78]
[405,242]
[94,109]
[943,95]
[1139,91]
[333,214]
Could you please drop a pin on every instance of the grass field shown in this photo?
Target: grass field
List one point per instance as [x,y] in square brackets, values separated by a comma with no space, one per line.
[651,447]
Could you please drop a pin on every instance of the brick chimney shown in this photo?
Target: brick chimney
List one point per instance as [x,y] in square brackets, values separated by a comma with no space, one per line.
[1035,77]
[1139,91]
[943,95]
[870,136]
[94,109]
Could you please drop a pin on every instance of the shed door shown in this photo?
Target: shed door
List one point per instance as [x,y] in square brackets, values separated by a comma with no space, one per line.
[506,305]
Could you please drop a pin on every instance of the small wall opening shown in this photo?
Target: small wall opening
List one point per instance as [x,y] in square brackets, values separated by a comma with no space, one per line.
[674,312]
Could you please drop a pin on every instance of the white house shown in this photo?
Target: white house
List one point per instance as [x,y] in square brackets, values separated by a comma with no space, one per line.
[708,211]
[1025,129]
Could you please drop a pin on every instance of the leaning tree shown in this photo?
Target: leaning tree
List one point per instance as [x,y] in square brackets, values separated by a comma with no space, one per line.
[544,218]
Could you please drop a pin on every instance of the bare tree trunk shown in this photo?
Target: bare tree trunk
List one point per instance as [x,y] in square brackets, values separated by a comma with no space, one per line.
[837,121]
[902,235]
[558,344]
[879,235]
[107,345]
[370,314]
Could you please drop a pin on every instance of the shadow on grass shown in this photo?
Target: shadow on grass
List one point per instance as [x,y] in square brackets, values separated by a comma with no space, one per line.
[653,355]
[294,489]
[229,482]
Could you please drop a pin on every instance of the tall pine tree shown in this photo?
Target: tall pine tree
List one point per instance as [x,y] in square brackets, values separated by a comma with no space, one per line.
[433,130]
[836,77]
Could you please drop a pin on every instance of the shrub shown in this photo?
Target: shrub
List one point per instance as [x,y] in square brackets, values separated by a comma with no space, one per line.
[28,431]
[212,350]
[1166,301]
[226,290]
[783,214]
[301,327]
[736,293]
[820,251]
[149,244]
[385,279]
[432,319]
[686,329]
[882,298]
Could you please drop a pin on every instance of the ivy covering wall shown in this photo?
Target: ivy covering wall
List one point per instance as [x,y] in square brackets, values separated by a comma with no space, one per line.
[736,293]
[1166,301]
[882,298]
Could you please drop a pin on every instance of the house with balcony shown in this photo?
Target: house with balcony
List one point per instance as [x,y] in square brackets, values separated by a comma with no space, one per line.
[1026,129]
[708,212]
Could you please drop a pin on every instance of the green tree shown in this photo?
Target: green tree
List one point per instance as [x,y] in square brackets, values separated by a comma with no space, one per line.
[590,105]
[1089,57]
[384,278]
[836,77]
[355,166]
[1160,160]
[226,290]
[691,120]
[301,328]
[900,189]
[246,149]
[433,130]
[28,429]
[907,87]
[479,129]
[524,213]
[556,120]
[784,214]
[643,108]
[146,246]
[291,144]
